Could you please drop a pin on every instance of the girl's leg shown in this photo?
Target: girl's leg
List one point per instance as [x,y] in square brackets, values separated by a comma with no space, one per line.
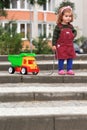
[60,64]
[69,64]
[61,67]
[69,67]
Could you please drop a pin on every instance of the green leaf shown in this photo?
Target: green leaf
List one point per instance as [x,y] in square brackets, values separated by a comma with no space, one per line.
[41,2]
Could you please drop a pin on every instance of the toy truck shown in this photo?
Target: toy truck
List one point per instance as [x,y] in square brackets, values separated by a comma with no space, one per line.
[23,63]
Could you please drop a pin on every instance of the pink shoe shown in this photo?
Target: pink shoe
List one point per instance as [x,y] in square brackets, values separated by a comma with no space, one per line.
[61,72]
[70,72]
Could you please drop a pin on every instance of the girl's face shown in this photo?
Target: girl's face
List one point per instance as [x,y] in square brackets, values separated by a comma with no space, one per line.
[66,18]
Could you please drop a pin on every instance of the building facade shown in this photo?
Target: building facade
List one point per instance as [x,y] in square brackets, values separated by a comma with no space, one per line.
[33,21]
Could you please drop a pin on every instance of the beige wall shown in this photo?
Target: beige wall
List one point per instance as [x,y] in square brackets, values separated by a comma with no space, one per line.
[80,22]
[85,17]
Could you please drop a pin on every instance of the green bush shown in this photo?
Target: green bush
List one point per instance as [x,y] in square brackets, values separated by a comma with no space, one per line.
[10,41]
[41,46]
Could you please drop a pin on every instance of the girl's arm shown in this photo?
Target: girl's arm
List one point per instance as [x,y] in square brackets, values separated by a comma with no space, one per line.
[56,33]
[74,31]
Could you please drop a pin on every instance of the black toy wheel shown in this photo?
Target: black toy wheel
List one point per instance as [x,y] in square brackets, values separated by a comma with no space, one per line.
[23,71]
[34,73]
[11,70]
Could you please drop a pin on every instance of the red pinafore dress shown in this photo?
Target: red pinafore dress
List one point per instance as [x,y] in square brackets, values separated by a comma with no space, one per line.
[65,47]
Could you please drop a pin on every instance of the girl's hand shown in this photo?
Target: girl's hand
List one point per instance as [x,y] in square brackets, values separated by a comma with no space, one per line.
[54,48]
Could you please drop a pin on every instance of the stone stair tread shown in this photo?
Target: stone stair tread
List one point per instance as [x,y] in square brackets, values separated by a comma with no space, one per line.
[46,57]
[44,77]
[40,88]
[43,108]
[48,65]
[52,72]
[36,101]
[45,104]
[51,61]
[47,62]
[42,92]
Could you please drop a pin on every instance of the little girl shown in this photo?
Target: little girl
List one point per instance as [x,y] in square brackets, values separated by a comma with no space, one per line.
[62,42]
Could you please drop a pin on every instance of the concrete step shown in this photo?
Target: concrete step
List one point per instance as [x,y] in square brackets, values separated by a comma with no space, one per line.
[44,77]
[47,62]
[48,65]
[53,64]
[52,56]
[42,92]
[29,104]
[46,57]
[54,115]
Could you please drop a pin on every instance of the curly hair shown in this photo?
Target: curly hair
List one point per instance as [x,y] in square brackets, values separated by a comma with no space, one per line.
[62,11]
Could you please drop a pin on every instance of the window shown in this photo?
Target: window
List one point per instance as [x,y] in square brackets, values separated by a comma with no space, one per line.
[29,33]
[51,28]
[51,5]
[6,26]
[28,5]
[14,27]
[24,61]
[44,7]
[22,27]
[30,61]
[39,29]
[14,4]
[44,30]
[22,4]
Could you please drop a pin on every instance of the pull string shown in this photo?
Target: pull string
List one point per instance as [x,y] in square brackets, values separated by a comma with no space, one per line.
[53,65]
